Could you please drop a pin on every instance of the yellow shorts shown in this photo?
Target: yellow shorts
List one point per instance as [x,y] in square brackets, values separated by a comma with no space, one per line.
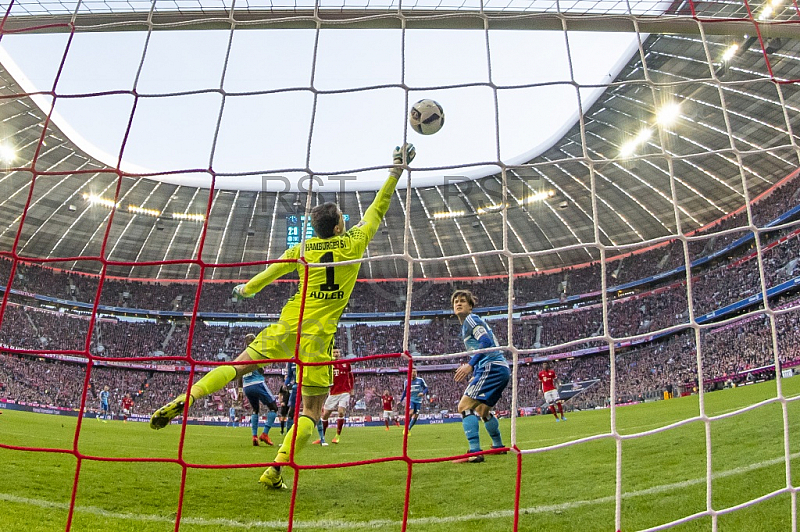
[313,391]
[278,341]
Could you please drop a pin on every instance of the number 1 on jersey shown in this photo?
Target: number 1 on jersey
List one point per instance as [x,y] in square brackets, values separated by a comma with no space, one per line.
[330,283]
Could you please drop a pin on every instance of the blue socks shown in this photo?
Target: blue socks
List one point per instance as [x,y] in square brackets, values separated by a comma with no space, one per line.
[268,425]
[493,428]
[270,420]
[471,424]
[321,431]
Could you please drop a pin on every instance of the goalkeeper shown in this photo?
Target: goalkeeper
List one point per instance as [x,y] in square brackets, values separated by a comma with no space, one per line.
[328,292]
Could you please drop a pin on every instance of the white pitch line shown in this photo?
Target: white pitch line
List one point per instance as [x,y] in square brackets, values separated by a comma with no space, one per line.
[381,523]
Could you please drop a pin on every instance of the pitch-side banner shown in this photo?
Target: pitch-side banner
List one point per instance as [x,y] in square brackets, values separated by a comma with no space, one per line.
[571,389]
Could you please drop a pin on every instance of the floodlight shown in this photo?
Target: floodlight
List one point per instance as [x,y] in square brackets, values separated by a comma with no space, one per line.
[668,114]
[730,52]
[97,200]
[448,214]
[539,196]
[628,148]
[7,153]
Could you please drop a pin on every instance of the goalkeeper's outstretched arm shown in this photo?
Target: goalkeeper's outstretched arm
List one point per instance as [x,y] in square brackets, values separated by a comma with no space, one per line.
[372,218]
[273,271]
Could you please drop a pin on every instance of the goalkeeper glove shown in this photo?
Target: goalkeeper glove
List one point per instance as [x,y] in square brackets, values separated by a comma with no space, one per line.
[238,293]
[397,158]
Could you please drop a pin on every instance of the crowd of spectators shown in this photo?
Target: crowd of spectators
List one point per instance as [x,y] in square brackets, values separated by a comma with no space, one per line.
[60,280]
[50,382]
[629,315]
[642,372]
[17,329]
[636,314]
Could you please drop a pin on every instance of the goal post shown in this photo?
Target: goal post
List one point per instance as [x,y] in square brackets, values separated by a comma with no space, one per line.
[711,22]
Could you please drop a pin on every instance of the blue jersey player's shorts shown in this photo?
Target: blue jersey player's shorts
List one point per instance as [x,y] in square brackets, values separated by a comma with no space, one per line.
[414,407]
[104,407]
[488,383]
[259,393]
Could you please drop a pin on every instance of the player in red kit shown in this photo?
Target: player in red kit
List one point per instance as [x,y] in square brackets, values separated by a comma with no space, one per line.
[388,409]
[127,406]
[338,399]
[548,379]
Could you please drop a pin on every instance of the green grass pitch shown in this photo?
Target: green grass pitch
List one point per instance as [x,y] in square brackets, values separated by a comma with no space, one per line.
[566,489]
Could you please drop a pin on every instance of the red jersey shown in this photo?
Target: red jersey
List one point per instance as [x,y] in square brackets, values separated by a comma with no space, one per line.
[548,379]
[388,402]
[342,378]
[127,403]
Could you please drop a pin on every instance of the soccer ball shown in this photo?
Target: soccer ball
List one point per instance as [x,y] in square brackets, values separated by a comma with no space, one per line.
[426,117]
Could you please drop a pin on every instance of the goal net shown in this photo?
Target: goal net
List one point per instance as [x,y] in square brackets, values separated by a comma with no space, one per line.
[616,183]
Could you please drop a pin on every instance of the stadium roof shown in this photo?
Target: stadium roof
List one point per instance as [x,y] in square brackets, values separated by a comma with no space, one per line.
[549,204]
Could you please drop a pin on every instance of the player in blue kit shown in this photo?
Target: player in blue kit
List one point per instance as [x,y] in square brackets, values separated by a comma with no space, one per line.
[288,393]
[104,411]
[490,376]
[254,387]
[419,389]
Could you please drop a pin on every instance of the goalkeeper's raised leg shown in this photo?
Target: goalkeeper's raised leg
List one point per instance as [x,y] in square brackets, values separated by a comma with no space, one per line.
[215,380]
[169,411]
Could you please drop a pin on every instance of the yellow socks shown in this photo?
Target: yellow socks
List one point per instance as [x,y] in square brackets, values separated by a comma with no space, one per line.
[304,427]
[213,381]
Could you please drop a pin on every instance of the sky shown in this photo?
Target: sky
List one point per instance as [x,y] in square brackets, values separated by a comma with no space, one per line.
[286,103]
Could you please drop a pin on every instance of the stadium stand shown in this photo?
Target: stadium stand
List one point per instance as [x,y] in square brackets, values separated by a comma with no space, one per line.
[645,371]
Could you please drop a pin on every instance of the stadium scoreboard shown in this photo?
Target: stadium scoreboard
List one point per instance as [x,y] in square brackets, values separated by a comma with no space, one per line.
[294,228]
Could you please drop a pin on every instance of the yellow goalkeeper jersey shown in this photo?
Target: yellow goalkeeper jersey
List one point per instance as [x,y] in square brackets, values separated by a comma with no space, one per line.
[329,287]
